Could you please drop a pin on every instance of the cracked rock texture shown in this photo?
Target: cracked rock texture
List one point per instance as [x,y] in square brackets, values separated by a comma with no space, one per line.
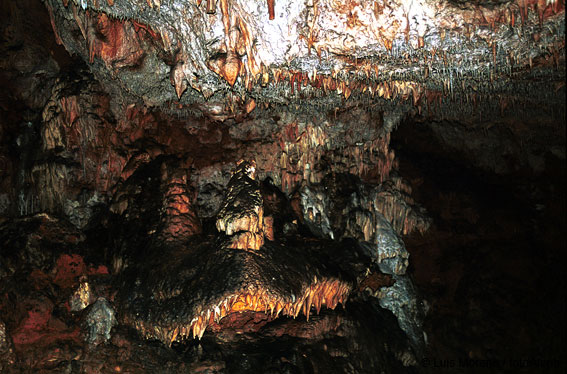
[412,49]
[401,196]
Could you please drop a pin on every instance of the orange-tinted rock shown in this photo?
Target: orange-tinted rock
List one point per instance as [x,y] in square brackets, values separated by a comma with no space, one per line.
[227,65]
[119,45]
[375,281]
[82,297]
[179,220]
[269,228]
[247,240]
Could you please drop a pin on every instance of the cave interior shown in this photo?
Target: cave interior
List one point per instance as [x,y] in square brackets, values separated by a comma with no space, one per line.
[302,186]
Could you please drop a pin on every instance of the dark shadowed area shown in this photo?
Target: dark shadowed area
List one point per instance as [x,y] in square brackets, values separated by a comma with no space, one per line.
[308,186]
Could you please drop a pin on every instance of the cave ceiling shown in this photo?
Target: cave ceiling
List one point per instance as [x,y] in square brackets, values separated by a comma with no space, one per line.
[221,58]
[209,165]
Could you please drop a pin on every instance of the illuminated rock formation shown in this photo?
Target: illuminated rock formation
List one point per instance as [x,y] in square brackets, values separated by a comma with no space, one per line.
[6,350]
[426,53]
[122,206]
[242,213]
[194,282]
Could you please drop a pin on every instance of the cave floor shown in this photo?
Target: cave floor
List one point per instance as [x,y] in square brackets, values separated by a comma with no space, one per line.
[490,269]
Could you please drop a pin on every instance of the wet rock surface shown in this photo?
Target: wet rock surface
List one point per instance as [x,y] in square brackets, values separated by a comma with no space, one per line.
[99,320]
[404,214]
[321,50]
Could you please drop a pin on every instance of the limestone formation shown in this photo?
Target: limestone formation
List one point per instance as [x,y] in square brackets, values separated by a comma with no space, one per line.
[242,213]
[399,195]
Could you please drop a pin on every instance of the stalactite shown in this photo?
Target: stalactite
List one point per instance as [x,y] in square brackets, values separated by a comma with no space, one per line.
[271,4]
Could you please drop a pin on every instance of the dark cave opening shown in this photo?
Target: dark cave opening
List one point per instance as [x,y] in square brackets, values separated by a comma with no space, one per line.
[493,252]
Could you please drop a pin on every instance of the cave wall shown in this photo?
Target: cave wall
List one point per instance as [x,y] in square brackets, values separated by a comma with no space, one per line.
[117,113]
